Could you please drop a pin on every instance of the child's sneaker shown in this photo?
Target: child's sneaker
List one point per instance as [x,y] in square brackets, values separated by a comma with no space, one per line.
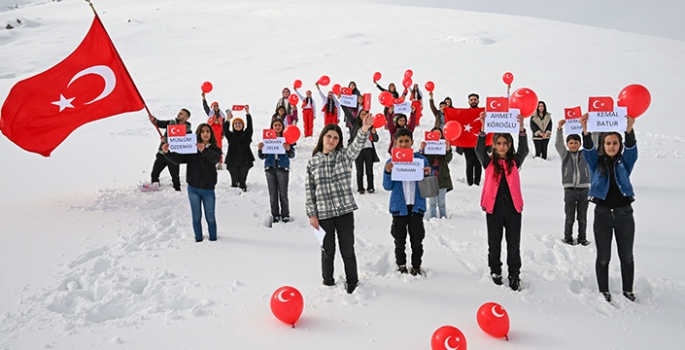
[629,295]
[416,271]
[607,296]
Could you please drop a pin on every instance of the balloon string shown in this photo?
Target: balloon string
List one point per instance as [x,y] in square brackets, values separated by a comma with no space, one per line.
[293,325]
[506,336]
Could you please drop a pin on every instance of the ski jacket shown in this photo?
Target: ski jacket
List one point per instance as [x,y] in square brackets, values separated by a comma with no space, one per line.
[574,170]
[201,168]
[328,186]
[491,184]
[398,204]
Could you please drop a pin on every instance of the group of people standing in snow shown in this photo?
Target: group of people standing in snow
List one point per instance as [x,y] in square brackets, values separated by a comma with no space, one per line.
[598,174]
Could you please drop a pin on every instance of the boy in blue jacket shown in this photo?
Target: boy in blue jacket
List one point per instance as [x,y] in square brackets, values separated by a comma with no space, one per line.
[407,208]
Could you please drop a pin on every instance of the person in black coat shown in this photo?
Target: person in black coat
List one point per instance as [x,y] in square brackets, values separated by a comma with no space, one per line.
[160,161]
[201,178]
[239,159]
[366,157]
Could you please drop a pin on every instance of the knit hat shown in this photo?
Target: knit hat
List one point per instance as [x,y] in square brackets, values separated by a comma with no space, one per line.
[238,120]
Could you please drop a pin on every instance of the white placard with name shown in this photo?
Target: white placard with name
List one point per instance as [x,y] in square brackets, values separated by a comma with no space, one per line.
[402,108]
[348,101]
[435,148]
[183,144]
[274,146]
[502,122]
[572,126]
[406,171]
[608,121]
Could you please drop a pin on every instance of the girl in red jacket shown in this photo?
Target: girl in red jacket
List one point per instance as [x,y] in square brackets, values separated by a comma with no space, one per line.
[502,200]
[308,112]
[331,107]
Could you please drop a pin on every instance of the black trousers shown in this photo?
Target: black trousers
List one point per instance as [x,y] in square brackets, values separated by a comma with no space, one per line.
[473,166]
[541,148]
[238,175]
[411,224]
[500,221]
[618,222]
[160,163]
[576,203]
[365,161]
[344,227]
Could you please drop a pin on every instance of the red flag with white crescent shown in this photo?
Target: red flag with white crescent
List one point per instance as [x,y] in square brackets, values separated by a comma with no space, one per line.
[91,83]
[269,134]
[497,104]
[176,130]
[601,104]
[402,155]
[572,113]
[469,119]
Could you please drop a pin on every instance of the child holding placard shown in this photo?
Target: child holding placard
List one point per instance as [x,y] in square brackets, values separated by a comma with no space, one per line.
[277,171]
[575,177]
[441,169]
[400,122]
[201,177]
[367,156]
[239,159]
[407,207]
[611,164]
[502,200]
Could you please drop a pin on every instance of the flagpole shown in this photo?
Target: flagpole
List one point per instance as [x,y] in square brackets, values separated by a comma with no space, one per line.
[125,69]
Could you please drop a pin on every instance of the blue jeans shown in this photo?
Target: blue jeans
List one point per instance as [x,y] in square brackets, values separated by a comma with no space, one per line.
[439,202]
[207,198]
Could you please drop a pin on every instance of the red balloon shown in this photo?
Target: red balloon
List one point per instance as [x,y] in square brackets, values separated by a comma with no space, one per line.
[385,98]
[287,302]
[297,84]
[493,320]
[508,78]
[206,87]
[377,76]
[452,130]
[324,80]
[291,134]
[407,83]
[378,120]
[399,100]
[448,338]
[336,89]
[525,100]
[636,97]
[430,86]
[408,73]
[293,99]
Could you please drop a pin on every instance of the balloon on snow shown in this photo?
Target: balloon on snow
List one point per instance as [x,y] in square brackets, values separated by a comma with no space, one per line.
[287,304]
[636,97]
[448,338]
[493,320]
[291,133]
[525,100]
[206,87]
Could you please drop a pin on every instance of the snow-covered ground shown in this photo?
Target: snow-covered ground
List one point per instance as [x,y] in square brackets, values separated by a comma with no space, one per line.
[88,261]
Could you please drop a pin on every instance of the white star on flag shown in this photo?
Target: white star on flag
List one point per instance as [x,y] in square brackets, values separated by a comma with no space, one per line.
[467,127]
[63,102]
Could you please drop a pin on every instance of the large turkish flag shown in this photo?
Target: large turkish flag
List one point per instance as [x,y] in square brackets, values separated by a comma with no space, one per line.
[469,119]
[90,84]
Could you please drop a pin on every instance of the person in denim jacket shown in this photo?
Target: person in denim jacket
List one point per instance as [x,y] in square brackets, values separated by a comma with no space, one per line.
[611,164]
[277,171]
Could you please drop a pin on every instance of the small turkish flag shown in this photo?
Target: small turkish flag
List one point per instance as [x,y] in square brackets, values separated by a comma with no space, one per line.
[497,104]
[346,91]
[601,104]
[432,136]
[176,130]
[367,102]
[469,119]
[238,107]
[402,155]
[572,113]
[269,134]
[91,83]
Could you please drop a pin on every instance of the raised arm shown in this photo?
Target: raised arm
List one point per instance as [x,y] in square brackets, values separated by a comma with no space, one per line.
[559,142]
[354,148]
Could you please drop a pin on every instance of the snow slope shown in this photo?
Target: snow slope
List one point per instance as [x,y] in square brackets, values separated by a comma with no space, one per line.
[90,262]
